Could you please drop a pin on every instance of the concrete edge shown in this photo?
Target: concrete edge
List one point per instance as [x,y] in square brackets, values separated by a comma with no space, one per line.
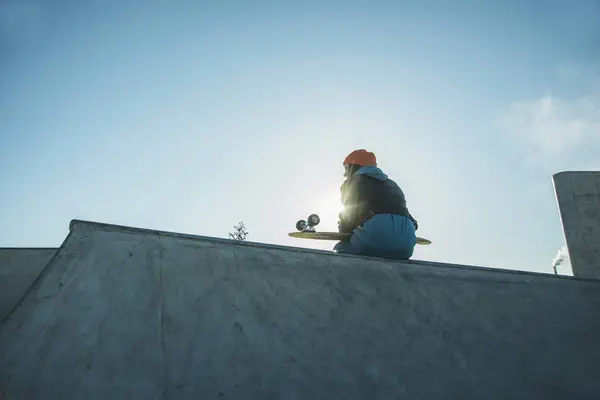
[57,252]
[77,224]
[555,178]
[562,173]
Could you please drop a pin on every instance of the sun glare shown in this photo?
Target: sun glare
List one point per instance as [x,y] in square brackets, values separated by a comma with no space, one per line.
[330,206]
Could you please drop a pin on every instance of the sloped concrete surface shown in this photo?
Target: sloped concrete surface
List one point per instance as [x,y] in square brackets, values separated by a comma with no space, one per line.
[19,267]
[123,313]
[578,196]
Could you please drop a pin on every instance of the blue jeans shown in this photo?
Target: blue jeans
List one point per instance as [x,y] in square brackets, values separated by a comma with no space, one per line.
[384,235]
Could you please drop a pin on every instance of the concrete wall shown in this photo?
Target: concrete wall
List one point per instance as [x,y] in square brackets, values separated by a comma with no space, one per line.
[124,313]
[19,267]
[578,196]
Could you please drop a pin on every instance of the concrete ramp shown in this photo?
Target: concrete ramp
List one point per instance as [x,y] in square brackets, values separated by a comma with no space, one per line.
[123,313]
[19,268]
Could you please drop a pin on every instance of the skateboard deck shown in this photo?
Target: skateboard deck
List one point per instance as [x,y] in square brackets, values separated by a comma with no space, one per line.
[337,236]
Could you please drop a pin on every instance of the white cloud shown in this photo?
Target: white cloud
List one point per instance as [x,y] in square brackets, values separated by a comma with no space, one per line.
[557,132]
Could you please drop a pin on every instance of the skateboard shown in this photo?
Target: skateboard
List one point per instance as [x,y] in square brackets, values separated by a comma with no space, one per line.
[306,230]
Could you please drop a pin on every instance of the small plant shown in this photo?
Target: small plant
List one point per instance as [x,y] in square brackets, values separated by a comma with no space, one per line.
[239,232]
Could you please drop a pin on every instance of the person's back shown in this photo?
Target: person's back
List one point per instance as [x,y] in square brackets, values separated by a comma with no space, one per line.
[374,211]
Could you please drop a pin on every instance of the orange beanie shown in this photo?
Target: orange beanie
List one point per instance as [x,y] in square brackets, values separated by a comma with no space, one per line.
[361,157]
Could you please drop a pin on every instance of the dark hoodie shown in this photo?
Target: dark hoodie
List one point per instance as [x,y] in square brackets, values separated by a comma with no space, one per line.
[370,192]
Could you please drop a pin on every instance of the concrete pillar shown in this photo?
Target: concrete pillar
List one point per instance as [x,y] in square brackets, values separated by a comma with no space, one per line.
[578,196]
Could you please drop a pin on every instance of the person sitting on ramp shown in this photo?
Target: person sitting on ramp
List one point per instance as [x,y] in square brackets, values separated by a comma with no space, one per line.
[375,212]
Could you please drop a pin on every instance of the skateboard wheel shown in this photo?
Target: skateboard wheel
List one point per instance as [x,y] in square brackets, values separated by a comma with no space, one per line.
[301,225]
[313,220]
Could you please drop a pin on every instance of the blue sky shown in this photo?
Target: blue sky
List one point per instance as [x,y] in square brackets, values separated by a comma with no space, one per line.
[192,116]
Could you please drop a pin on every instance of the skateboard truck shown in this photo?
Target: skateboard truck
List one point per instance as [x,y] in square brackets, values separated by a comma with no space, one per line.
[309,224]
